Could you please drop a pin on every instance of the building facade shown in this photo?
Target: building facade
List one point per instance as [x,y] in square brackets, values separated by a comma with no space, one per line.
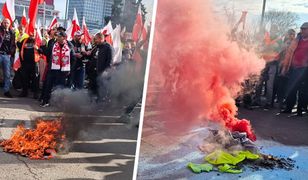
[94,11]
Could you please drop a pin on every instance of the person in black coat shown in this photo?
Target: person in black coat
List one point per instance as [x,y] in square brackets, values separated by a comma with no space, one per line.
[101,60]
[61,57]
[29,65]
[46,50]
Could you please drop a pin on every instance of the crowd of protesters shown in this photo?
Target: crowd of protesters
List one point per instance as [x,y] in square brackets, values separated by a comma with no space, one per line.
[283,83]
[58,63]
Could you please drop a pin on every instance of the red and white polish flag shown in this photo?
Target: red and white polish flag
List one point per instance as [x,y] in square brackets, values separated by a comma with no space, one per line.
[138,26]
[107,31]
[33,14]
[24,21]
[86,35]
[8,10]
[74,26]
[53,23]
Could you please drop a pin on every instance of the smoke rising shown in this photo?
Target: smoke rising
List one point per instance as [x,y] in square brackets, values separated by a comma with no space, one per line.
[124,84]
[80,111]
[201,69]
[75,105]
[219,140]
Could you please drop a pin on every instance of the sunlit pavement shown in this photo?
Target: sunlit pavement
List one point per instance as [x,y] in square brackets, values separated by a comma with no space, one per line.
[166,156]
[106,150]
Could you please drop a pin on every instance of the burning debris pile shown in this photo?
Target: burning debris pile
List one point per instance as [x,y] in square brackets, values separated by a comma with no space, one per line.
[227,141]
[38,143]
[232,152]
[269,162]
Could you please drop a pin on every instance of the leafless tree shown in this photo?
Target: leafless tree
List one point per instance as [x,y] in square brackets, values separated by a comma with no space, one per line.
[283,19]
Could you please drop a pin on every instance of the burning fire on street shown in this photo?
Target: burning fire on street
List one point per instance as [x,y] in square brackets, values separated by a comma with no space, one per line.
[41,142]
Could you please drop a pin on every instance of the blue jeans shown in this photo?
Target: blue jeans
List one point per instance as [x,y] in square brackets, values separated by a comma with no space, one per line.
[5,61]
[78,78]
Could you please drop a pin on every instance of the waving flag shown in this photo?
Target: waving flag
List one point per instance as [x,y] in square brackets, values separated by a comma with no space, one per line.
[117,45]
[38,35]
[86,35]
[138,26]
[8,10]
[33,14]
[144,32]
[24,21]
[53,23]
[74,26]
[107,30]
[16,63]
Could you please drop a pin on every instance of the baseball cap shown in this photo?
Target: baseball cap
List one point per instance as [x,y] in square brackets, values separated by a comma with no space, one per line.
[78,33]
[305,25]
[60,28]
[61,33]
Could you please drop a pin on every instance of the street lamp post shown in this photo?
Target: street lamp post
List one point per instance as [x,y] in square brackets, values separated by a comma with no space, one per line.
[263,11]
[66,13]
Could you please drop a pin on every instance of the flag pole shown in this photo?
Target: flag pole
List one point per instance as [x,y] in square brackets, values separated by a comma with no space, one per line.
[263,12]
[44,16]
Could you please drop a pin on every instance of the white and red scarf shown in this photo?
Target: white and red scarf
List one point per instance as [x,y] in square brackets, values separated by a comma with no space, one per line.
[61,57]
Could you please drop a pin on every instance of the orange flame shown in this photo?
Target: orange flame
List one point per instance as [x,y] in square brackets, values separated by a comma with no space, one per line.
[38,143]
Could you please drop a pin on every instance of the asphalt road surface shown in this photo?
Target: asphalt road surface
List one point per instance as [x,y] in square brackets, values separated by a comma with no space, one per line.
[104,150]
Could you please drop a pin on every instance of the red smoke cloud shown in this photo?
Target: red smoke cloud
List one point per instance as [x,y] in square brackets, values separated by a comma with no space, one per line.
[200,68]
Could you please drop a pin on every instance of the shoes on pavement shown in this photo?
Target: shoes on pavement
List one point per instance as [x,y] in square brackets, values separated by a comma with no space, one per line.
[44,104]
[35,96]
[23,94]
[8,94]
[286,111]
[299,113]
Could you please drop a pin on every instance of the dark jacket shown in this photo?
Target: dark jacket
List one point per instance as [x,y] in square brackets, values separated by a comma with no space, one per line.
[91,66]
[28,53]
[104,59]
[77,48]
[47,50]
[12,40]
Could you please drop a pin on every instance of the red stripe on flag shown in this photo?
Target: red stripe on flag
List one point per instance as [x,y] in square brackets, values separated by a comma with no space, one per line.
[24,21]
[5,12]
[86,35]
[138,26]
[53,23]
[33,14]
